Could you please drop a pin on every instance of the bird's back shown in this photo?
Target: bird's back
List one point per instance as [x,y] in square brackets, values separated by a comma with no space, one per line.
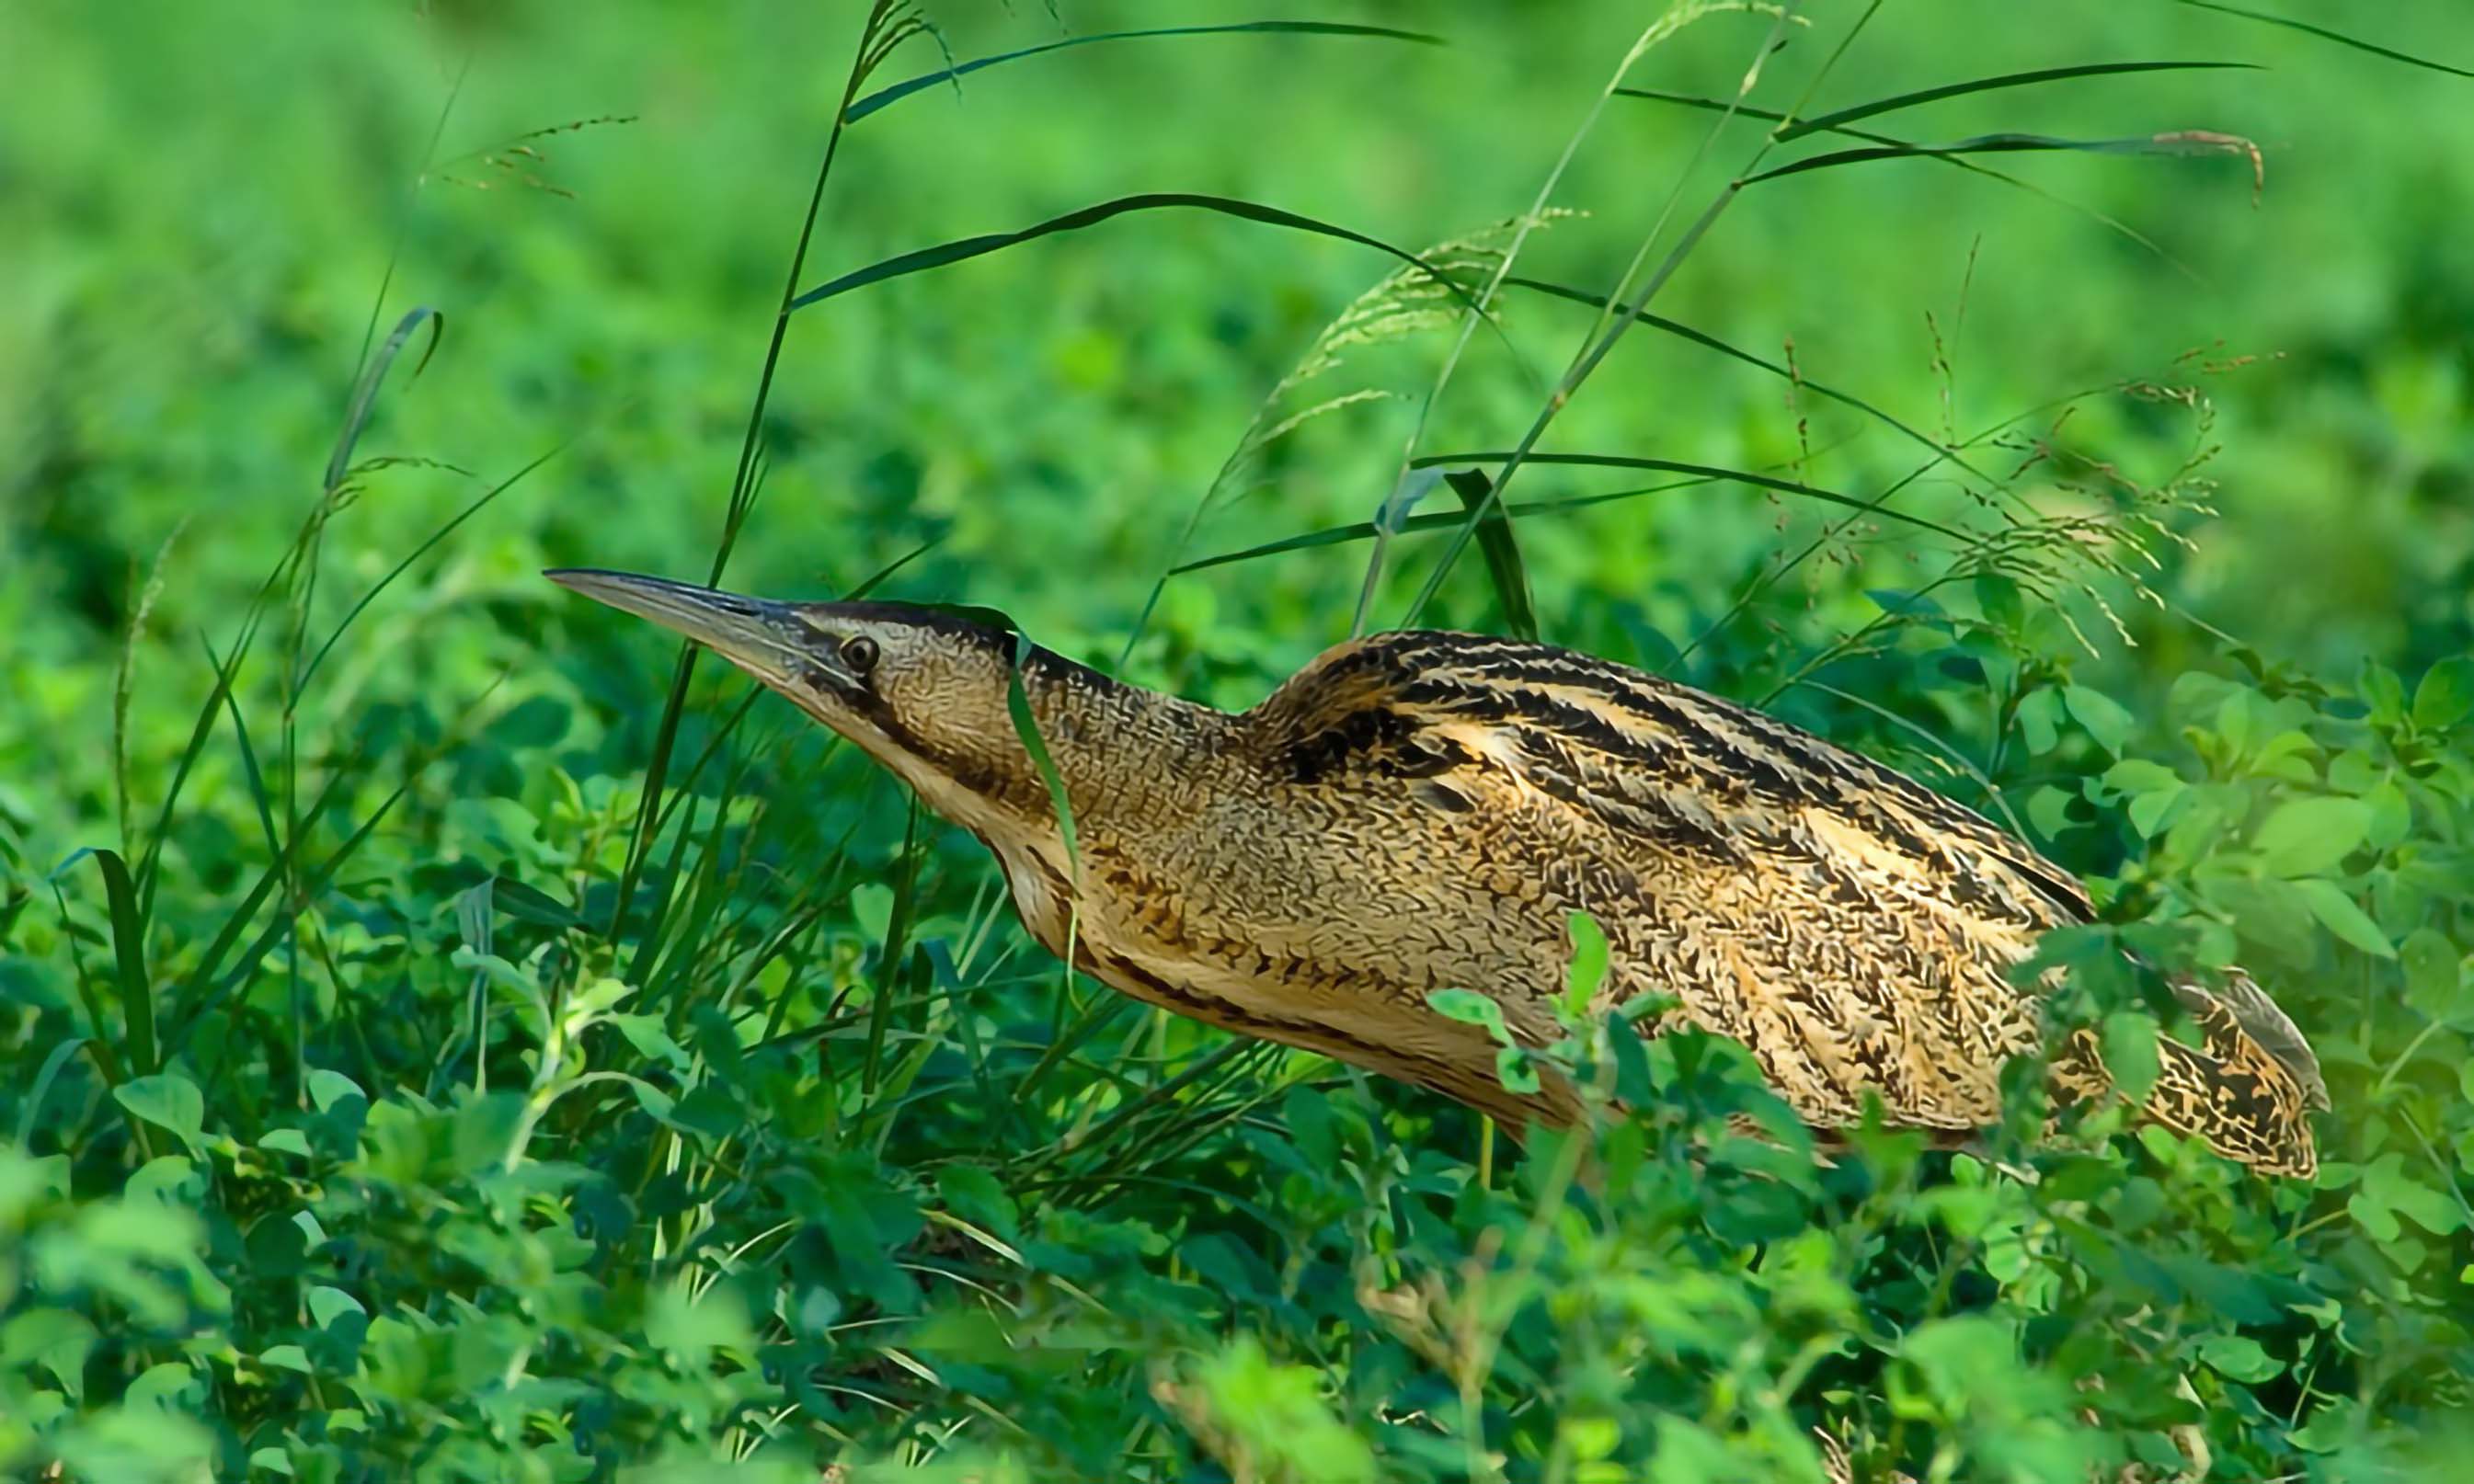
[1436,803]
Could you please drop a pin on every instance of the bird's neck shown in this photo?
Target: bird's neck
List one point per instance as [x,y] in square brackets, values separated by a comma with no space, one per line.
[1131,761]
[1137,768]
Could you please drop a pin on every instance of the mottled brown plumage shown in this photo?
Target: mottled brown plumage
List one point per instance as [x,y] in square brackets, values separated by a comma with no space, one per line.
[1418,811]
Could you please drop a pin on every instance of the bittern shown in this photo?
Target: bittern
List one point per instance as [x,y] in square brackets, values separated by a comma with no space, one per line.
[1418,811]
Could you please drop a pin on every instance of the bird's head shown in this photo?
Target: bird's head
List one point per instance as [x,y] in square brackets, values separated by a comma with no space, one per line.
[924,690]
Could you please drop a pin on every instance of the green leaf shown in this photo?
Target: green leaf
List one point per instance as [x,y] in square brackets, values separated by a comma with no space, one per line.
[364,391]
[2338,913]
[1587,973]
[31,1105]
[979,1197]
[660,1105]
[328,1087]
[2447,695]
[963,249]
[2391,816]
[2105,719]
[1961,1357]
[2130,1057]
[2040,721]
[651,1039]
[2140,775]
[1026,730]
[170,1386]
[2325,34]
[2434,981]
[2151,812]
[1758,480]
[595,1000]
[872,909]
[2048,809]
[2274,912]
[58,1340]
[691,1326]
[530,905]
[2353,770]
[1500,549]
[2238,1357]
[2177,143]
[1468,1007]
[2383,692]
[503,975]
[327,1305]
[1516,1070]
[709,1110]
[1840,118]
[2305,836]
[167,1100]
[2386,1191]
[1367,530]
[1308,1115]
[129,956]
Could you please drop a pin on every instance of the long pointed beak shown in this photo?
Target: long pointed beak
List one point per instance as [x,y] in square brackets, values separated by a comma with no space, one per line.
[758,635]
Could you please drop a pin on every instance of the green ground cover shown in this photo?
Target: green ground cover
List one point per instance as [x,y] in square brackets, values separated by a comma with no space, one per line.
[379,1099]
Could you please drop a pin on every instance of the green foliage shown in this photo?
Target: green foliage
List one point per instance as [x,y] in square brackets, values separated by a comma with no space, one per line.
[432,1054]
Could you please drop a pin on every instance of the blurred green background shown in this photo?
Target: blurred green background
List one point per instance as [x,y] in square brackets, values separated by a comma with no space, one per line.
[199,211]
[209,212]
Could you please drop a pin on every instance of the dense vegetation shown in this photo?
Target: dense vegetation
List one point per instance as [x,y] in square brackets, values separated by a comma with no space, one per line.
[445,1040]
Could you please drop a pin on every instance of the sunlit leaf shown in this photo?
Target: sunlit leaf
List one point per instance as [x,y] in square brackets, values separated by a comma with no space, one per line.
[2338,913]
[167,1100]
[2304,836]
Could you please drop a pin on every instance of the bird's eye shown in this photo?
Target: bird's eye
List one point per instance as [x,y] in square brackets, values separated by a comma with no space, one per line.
[858,655]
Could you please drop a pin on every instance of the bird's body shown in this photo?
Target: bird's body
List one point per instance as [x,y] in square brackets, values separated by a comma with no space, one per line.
[1420,811]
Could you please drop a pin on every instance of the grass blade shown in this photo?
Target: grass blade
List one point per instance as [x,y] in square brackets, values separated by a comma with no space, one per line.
[885,97]
[364,391]
[887,27]
[418,552]
[200,732]
[2326,34]
[1663,27]
[2185,141]
[1502,553]
[66,1047]
[203,987]
[1943,751]
[1713,342]
[1027,727]
[963,249]
[1639,282]
[251,773]
[883,574]
[1826,122]
[128,953]
[1705,470]
[1955,162]
[1367,530]
[283,924]
[890,961]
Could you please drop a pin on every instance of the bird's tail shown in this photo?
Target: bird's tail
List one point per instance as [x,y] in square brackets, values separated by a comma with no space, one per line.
[2248,1089]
